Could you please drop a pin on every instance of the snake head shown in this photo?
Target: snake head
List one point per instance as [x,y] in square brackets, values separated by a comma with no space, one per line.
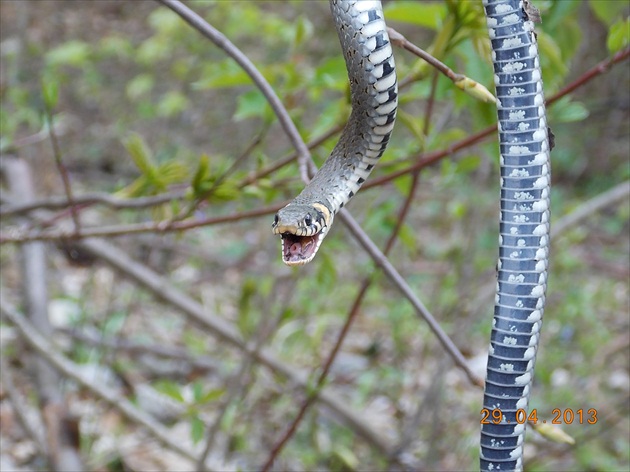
[302,228]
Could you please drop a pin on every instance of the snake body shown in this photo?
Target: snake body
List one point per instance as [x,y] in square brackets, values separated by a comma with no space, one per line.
[305,221]
[524,230]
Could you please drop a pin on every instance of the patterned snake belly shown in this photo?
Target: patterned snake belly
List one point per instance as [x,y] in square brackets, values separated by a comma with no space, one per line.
[524,230]
[305,221]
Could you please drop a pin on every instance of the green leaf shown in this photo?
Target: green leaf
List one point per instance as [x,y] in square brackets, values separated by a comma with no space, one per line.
[609,11]
[50,92]
[251,104]
[566,111]
[197,429]
[170,389]
[211,395]
[172,103]
[201,174]
[226,73]
[171,172]
[303,31]
[347,458]
[140,85]
[427,14]
[618,35]
[73,53]
[140,154]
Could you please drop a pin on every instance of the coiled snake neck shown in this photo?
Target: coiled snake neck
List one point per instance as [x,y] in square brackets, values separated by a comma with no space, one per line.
[305,221]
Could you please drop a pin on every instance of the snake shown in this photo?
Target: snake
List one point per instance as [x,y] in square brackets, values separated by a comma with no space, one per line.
[306,220]
[524,142]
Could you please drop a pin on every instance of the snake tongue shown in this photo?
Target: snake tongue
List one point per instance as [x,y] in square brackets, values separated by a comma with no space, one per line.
[298,250]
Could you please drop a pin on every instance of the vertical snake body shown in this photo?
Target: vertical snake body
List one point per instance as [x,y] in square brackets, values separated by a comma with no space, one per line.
[523,227]
[362,32]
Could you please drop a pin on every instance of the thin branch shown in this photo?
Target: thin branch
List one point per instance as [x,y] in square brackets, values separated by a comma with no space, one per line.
[18,235]
[399,282]
[214,35]
[462,82]
[61,202]
[63,171]
[599,69]
[605,200]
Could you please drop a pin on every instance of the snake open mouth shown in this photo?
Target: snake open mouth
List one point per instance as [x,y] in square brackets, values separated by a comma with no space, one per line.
[299,250]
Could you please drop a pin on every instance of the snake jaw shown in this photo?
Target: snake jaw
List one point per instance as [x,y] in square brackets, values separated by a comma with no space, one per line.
[300,250]
[302,228]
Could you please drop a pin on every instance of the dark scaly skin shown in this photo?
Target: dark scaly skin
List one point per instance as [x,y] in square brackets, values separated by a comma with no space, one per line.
[524,231]
[305,221]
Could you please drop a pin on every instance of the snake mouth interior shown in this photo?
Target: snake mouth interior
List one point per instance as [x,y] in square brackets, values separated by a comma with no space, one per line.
[299,250]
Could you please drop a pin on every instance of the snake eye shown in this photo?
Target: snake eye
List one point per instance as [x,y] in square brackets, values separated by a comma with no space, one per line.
[308,220]
[275,220]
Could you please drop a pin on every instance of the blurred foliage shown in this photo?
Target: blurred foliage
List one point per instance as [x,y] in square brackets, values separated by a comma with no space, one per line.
[145,105]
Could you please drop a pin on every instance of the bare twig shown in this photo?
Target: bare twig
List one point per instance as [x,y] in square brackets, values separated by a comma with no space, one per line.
[63,171]
[462,82]
[383,262]
[17,235]
[599,69]
[56,203]
[602,201]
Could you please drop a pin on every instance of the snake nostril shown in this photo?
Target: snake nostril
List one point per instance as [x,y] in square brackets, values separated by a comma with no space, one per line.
[275,220]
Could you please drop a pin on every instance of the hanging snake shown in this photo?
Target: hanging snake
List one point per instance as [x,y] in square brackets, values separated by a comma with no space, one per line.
[525,184]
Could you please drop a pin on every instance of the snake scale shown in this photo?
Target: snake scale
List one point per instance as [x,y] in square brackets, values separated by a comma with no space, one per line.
[525,185]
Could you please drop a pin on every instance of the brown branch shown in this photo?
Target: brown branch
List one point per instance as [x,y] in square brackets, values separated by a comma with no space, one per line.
[63,171]
[61,202]
[599,69]
[17,235]
[462,82]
